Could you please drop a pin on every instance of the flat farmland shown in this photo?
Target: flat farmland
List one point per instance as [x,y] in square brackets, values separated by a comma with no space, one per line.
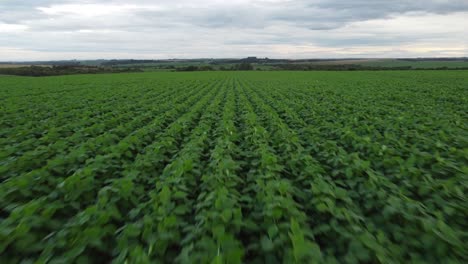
[235,167]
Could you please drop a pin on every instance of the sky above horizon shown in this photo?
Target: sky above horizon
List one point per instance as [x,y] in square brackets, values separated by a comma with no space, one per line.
[143,29]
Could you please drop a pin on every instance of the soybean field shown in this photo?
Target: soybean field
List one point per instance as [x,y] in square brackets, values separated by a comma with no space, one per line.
[235,167]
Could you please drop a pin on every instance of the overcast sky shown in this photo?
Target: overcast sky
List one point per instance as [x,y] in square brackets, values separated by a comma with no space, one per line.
[93,29]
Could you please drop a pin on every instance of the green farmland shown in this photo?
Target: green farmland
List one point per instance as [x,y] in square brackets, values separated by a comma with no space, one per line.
[416,64]
[235,167]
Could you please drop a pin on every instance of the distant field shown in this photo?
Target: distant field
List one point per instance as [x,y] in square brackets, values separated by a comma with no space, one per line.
[257,64]
[13,65]
[235,167]
[415,64]
[265,65]
[422,64]
[20,65]
[337,62]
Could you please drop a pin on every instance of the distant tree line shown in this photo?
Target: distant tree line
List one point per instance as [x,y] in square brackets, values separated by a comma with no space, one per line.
[243,66]
[237,67]
[195,68]
[351,67]
[37,71]
[433,59]
[133,61]
[119,62]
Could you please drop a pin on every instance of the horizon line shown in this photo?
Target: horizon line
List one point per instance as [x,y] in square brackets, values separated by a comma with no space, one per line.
[240,58]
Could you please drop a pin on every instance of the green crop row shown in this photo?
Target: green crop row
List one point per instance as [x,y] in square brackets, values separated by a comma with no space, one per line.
[235,167]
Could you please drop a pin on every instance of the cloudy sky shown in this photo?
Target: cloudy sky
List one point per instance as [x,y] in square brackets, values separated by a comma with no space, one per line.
[92,29]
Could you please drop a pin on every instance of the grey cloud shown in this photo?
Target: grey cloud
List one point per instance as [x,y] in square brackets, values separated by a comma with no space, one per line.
[189,27]
[314,15]
[325,14]
[384,7]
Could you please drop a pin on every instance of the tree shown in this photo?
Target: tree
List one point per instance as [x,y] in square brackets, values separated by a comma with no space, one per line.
[243,67]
